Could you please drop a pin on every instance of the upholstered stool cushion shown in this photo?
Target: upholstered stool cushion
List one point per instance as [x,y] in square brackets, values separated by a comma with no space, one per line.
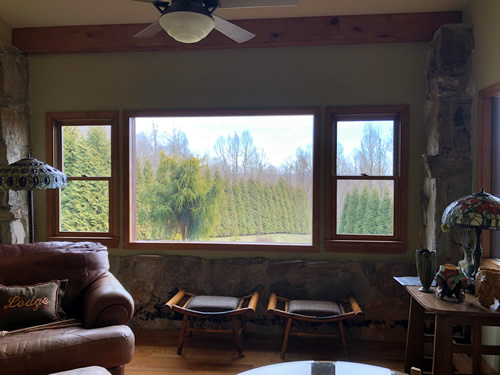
[213,303]
[314,308]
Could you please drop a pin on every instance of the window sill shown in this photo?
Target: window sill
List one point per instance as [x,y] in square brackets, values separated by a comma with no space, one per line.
[109,242]
[214,246]
[371,246]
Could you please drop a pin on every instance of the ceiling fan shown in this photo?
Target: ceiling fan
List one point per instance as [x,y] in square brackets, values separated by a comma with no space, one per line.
[189,21]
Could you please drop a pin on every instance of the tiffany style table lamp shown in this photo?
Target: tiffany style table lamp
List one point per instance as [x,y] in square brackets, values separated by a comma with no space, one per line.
[477,211]
[29,174]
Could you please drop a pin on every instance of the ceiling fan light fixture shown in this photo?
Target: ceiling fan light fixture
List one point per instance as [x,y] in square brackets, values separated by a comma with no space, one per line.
[187,27]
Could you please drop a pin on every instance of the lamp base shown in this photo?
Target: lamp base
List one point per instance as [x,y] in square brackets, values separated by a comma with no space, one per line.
[425,290]
[471,285]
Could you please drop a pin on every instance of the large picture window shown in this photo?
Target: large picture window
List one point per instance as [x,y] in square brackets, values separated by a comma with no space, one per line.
[83,146]
[210,180]
[366,187]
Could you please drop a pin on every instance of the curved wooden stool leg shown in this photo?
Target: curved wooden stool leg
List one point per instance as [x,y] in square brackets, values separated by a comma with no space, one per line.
[181,335]
[342,336]
[244,329]
[285,338]
[236,331]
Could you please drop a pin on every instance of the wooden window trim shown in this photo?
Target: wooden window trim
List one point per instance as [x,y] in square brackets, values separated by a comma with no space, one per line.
[368,244]
[484,149]
[53,144]
[128,175]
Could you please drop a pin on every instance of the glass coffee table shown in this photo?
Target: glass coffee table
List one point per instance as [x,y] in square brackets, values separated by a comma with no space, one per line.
[320,368]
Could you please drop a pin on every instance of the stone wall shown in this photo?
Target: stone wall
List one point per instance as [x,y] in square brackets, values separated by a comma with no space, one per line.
[448,159]
[15,139]
[152,280]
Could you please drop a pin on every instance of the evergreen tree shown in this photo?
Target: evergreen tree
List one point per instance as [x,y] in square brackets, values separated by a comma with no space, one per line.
[269,219]
[246,213]
[186,200]
[228,225]
[372,216]
[351,212]
[240,208]
[254,195]
[304,212]
[341,228]
[144,183]
[361,224]
[85,204]
[386,213]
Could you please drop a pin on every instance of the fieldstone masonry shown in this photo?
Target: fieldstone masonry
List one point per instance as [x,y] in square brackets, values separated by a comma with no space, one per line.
[152,280]
[14,139]
[448,159]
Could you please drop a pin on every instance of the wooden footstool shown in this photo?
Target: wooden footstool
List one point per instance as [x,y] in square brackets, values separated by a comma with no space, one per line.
[312,311]
[212,307]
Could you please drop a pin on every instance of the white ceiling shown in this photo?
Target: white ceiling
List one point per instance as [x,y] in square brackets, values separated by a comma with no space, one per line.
[37,13]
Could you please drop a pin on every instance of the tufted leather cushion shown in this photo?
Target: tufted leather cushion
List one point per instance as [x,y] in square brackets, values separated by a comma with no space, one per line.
[314,308]
[60,349]
[213,303]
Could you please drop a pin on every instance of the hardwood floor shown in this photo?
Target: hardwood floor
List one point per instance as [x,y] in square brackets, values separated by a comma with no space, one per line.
[205,353]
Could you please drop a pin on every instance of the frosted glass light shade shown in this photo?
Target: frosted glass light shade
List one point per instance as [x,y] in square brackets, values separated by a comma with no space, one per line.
[187,27]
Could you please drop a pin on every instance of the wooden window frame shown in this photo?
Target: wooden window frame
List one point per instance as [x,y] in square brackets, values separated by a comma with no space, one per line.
[367,244]
[53,123]
[484,150]
[129,174]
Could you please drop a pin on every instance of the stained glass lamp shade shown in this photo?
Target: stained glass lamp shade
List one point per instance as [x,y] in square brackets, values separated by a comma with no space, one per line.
[29,174]
[479,211]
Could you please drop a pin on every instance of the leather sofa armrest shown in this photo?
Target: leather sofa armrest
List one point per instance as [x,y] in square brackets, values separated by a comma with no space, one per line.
[106,303]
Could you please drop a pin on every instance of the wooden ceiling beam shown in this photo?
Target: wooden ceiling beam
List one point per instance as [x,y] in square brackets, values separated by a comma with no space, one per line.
[271,32]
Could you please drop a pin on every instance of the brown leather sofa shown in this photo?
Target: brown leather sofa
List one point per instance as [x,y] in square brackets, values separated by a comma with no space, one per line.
[97,307]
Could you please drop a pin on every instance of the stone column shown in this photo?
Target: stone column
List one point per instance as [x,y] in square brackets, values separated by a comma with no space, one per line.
[448,159]
[14,139]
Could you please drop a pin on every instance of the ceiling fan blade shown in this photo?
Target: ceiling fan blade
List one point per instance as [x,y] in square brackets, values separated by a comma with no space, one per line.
[256,3]
[149,31]
[231,30]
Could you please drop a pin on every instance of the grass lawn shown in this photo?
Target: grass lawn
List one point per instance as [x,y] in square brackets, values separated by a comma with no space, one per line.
[269,238]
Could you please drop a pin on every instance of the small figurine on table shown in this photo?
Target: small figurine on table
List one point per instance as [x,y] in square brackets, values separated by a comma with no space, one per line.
[451,281]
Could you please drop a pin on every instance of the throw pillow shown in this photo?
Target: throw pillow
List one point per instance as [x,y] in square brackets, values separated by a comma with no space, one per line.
[28,305]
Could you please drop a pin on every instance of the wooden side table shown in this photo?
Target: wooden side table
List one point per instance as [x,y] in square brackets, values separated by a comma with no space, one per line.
[446,316]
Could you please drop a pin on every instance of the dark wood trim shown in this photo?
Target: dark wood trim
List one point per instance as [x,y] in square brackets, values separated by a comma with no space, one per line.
[484,134]
[127,176]
[219,246]
[403,165]
[370,246]
[51,219]
[484,150]
[316,204]
[271,32]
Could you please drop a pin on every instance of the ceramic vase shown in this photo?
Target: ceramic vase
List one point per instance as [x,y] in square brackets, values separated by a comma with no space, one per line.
[467,264]
[426,268]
